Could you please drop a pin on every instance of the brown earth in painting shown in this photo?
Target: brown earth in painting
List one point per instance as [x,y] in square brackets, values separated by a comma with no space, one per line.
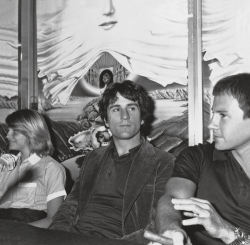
[168,134]
[8,103]
[178,94]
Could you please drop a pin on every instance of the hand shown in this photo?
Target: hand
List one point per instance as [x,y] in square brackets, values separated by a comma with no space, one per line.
[173,237]
[156,238]
[7,162]
[201,212]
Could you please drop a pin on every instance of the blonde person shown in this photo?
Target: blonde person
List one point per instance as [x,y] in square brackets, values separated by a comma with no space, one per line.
[33,189]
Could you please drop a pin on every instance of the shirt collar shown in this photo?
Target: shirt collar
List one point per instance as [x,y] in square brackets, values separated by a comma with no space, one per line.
[32,159]
[220,155]
[132,150]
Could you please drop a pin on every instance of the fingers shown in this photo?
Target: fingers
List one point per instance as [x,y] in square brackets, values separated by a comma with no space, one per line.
[190,214]
[196,206]
[169,237]
[194,210]
[199,200]
[177,236]
[154,243]
[157,238]
[192,200]
[194,221]
[197,209]
[200,212]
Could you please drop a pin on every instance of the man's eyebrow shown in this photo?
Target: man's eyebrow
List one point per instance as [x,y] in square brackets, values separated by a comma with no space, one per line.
[134,103]
[130,104]
[219,110]
[113,105]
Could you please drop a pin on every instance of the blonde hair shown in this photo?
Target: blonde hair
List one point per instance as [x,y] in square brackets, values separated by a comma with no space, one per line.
[33,126]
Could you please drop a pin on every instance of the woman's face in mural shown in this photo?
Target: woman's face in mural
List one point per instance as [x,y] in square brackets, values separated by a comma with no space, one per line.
[113,14]
[109,15]
[106,78]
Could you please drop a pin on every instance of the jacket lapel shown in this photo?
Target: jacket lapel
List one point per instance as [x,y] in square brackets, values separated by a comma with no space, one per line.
[90,174]
[141,169]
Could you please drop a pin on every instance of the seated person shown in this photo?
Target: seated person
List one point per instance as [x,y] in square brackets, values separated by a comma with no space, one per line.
[32,189]
[119,184]
[210,184]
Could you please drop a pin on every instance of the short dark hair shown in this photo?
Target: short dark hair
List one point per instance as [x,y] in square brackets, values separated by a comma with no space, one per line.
[134,92]
[33,126]
[106,71]
[237,86]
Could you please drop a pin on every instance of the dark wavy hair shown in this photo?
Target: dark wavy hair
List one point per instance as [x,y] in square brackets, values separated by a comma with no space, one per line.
[106,71]
[134,92]
[33,126]
[237,86]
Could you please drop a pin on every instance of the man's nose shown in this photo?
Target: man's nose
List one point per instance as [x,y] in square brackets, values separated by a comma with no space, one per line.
[109,9]
[124,114]
[213,124]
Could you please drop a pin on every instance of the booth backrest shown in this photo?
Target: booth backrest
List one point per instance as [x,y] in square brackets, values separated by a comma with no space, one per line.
[60,133]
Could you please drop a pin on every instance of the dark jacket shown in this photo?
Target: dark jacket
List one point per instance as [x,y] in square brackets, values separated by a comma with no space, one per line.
[150,170]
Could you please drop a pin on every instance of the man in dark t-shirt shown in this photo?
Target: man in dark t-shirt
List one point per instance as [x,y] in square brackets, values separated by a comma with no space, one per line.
[207,199]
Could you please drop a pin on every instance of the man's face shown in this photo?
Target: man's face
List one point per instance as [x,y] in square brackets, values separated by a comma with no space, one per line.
[230,130]
[124,119]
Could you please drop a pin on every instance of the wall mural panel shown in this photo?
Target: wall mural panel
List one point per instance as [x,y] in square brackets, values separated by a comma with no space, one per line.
[8,56]
[132,39]
[142,40]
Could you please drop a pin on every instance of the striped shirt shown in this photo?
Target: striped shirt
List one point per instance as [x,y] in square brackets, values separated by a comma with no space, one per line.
[32,183]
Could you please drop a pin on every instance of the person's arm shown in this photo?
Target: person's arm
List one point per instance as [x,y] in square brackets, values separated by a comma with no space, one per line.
[162,175]
[54,181]
[65,216]
[52,207]
[168,220]
[198,212]
[201,212]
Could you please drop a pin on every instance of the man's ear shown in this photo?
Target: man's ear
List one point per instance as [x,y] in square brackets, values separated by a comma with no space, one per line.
[106,123]
[142,122]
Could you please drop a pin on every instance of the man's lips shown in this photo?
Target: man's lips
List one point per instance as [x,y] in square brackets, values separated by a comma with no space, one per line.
[217,137]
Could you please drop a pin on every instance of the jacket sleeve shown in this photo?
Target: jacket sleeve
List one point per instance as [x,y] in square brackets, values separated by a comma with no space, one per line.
[66,215]
[162,174]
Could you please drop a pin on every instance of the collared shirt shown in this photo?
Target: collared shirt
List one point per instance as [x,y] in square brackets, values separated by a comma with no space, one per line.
[221,180]
[32,183]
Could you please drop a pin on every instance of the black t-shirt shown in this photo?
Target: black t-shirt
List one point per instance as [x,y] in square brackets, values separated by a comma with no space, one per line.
[221,180]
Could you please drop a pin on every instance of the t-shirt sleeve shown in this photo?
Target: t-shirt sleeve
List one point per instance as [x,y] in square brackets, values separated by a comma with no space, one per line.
[55,178]
[189,163]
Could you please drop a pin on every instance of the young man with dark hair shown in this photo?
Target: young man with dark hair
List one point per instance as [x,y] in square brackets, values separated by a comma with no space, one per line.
[207,199]
[119,185]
